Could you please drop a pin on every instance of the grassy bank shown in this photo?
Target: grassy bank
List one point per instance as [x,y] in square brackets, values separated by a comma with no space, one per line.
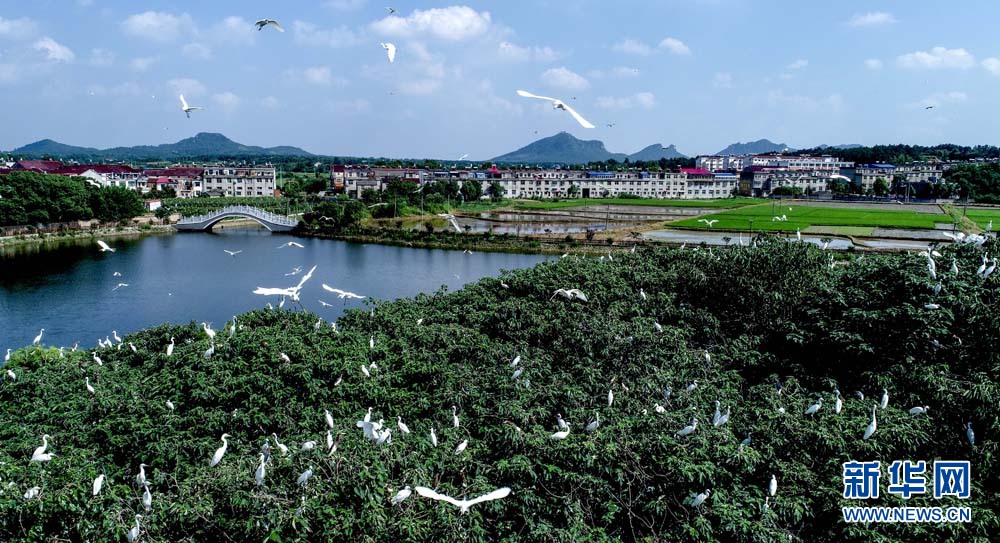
[70,235]
[805,216]
[775,313]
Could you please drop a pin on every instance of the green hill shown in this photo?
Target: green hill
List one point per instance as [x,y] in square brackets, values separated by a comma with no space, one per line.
[777,312]
[206,145]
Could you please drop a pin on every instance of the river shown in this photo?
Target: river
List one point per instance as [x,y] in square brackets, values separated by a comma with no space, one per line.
[70,289]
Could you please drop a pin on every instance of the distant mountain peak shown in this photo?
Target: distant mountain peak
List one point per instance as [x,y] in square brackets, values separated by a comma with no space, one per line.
[565,148]
[201,145]
[758,147]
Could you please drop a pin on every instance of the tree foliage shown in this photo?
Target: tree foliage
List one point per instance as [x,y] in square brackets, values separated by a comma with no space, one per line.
[776,312]
[32,198]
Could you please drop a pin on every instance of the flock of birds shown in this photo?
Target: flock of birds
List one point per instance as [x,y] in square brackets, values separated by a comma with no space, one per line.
[390,52]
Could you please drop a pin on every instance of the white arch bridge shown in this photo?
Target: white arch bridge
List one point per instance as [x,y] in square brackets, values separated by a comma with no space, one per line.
[271,221]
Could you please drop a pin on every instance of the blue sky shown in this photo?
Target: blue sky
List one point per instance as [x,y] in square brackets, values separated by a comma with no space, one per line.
[696,73]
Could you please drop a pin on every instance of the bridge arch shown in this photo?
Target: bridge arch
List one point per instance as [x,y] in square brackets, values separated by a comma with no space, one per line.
[272,221]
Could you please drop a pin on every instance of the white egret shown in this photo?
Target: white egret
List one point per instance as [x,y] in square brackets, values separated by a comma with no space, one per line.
[305,476]
[657,326]
[140,479]
[772,487]
[402,426]
[452,220]
[147,498]
[919,410]
[217,457]
[461,447]
[114,334]
[815,407]
[454,416]
[693,385]
[401,496]
[96,358]
[838,404]
[969,434]
[98,484]
[687,430]
[170,405]
[364,370]
[594,423]
[11,374]
[232,327]
[871,426]
[390,51]
[281,447]
[745,442]
[885,398]
[132,346]
[709,223]
[32,493]
[39,454]
[642,294]
[6,357]
[463,505]
[105,247]
[295,271]
[434,438]
[208,330]
[560,422]
[559,104]
[38,338]
[561,434]
[170,347]
[659,408]
[611,397]
[210,351]
[90,387]
[516,360]
[231,253]
[268,22]
[284,358]
[292,244]
[342,294]
[328,417]
[715,417]
[187,109]
[258,475]
[308,446]
[700,498]
[725,417]
[517,373]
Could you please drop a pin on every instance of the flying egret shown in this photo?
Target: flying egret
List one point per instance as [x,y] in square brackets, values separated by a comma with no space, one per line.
[188,109]
[559,104]
[217,457]
[687,430]
[815,407]
[709,223]
[98,484]
[885,398]
[305,476]
[38,338]
[434,438]
[291,292]
[231,253]
[268,22]
[454,416]
[772,487]
[919,410]
[463,505]
[39,454]
[390,51]
[105,247]
[570,294]
[170,347]
[140,479]
[700,498]
[452,220]
[461,447]
[401,496]
[402,426]
[871,426]
[258,475]
[147,498]
[342,294]
[32,493]
[292,244]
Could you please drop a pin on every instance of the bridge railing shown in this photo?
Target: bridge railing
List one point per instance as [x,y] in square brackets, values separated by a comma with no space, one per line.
[241,210]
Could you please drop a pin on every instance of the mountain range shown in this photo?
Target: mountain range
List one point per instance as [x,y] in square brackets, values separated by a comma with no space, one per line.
[564,148]
[204,144]
[758,147]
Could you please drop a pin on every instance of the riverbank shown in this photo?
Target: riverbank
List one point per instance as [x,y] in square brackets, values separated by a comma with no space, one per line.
[67,235]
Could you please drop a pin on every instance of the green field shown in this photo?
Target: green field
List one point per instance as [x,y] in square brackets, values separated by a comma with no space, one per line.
[725,203]
[802,217]
[982,217]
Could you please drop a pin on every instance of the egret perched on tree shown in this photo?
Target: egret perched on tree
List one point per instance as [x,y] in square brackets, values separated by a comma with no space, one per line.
[170,405]
[717,415]
[147,499]
[98,484]
[611,397]
[919,410]
[133,532]
[328,417]
[560,422]
[401,496]
[700,498]
[217,457]
[724,418]
[305,476]
[90,388]
[308,446]
[281,447]
[594,423]
[772,487]
[561,434]
[97,359]
[39,455]
[871,426]
[208,330]
[687,430]
[11,374]
[38,338]
[969,434]
[461,447]
[402,427]
[434,438]
[838,404]
[454,416]
[32,493]
[745,442]
[515,361]
[815,407]
[517,373]
[463,505]
[690,388]
[170,347]
[140,479]
[885,398]
[258,475]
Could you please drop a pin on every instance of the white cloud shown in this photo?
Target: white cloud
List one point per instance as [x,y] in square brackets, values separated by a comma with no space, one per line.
[564,78]
[142,64]
[645,100]
[937,58]
[101,58]
[874,18]
[321,75]
[357,105]
[270,102]
[992,65]
[512,51]
[310,34]
[941,98]
[54,50]
[198,51]
[188,86]
[419,86]
[227,101]
[873,64]
[675,46]
[777,98]
[158,26]
[632,47]
[345,5]
[454,23]
[17,29]
[722,80]
[234,30]
[798,64]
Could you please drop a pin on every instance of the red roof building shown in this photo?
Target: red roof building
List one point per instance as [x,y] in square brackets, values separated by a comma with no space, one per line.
[40,166]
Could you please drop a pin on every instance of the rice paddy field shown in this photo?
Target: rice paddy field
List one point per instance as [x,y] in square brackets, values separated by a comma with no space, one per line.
[801,216]
[725,203]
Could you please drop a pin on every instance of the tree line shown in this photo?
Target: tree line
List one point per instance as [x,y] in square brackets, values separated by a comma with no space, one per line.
[29,198]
